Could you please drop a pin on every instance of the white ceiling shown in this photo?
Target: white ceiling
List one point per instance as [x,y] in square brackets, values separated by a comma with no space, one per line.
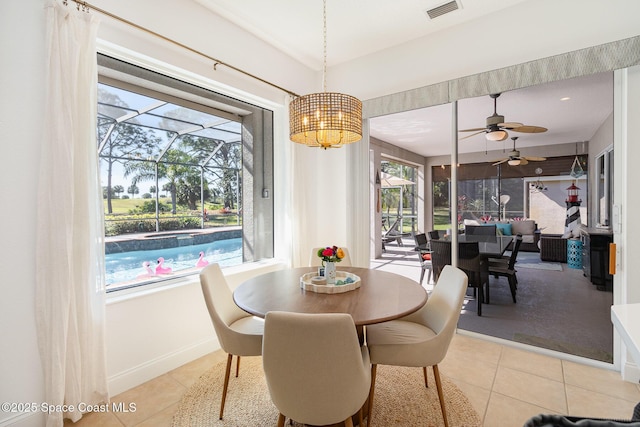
[428,131]
[354,27]
[357,28]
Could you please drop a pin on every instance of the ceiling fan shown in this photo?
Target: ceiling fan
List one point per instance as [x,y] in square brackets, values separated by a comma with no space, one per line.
[496,129]
[515,159]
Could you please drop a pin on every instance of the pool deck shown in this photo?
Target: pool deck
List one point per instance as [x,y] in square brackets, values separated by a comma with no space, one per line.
[169,239]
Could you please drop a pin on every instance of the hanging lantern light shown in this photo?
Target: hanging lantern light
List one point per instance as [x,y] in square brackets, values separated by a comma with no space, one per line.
[326,119]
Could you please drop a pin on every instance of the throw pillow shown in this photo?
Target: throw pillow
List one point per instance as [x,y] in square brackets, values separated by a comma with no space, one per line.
[503,229]
[426,257]
[524,227]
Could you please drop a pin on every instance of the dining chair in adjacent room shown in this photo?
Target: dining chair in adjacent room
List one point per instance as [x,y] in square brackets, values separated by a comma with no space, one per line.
[424,255]
[469,260]
[481,230]
[440,256]
[505,267]
[420,339]
[317,373]
[316,261]
[238,332]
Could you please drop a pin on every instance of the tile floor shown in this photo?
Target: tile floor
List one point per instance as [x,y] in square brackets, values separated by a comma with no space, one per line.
[505,385]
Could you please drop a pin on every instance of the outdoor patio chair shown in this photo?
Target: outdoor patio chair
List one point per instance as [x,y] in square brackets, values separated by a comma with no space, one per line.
[394,233]
[469,260]
[424,255]
[505,267]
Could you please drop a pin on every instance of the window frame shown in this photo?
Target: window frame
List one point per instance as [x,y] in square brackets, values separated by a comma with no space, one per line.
[257,141]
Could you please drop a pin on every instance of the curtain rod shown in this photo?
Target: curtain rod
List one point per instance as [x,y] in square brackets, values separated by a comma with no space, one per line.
[82,5]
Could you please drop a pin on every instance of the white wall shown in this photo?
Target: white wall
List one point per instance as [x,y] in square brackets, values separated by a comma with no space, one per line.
[521,33]
[21,75]
[452,54]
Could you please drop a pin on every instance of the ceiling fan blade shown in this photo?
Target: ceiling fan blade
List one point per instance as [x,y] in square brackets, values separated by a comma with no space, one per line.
[472,130]
[510,125]
[523,161]
[469,136]
[530,129]
[500,162]
[535,158]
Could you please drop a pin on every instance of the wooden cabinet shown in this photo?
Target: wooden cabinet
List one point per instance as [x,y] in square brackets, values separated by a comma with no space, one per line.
[595,257]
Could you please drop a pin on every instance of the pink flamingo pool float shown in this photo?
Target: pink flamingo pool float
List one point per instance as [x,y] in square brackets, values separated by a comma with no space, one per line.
[201,261]
[160,268]
[149,271]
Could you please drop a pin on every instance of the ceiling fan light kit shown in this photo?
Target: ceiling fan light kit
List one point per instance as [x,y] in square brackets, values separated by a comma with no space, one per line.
[497,135]
[496,128]
[515,159]
[326,119]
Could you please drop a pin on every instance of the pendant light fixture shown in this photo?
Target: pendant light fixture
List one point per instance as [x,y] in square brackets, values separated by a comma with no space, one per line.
[326,119]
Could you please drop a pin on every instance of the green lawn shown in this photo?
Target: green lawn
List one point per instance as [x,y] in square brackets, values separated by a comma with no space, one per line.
[441,219]
[123,206]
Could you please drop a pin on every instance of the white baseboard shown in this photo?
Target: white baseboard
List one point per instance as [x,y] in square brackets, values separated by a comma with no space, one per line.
[631,372]
[151,369]
[25,419]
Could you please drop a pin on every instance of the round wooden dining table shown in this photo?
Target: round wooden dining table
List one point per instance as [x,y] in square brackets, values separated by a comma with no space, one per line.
[382,296]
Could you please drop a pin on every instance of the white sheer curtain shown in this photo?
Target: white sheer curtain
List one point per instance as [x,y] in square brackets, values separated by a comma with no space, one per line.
[70,278]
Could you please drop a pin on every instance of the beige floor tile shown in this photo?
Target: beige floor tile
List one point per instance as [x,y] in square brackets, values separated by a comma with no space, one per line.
[533,363]
[96,419]
[531,388]
[505,411]
[188,374]
[482,350]
[466,367]
[149,399]
[600,380]
[161,419]
[479,397]
[586,403]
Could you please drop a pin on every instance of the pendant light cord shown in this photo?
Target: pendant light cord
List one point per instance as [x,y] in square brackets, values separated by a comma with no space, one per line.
[324,35]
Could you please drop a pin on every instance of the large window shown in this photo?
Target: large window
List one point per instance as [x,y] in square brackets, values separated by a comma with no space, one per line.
[183,169]
[399,196]
[488,192]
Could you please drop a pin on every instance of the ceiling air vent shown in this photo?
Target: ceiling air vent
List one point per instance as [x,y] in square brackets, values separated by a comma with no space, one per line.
[442,9]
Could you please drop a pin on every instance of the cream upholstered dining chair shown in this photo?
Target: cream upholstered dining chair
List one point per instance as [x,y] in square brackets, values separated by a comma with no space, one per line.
[422,338]
[316,261]
[316,371]
[238,332]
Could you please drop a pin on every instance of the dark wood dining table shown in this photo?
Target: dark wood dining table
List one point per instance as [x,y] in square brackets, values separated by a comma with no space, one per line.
[382,295]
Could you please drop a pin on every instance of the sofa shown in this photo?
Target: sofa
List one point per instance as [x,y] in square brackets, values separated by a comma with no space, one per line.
[525,227]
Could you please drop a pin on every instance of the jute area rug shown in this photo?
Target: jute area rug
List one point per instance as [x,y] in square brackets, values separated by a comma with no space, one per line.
[401,399]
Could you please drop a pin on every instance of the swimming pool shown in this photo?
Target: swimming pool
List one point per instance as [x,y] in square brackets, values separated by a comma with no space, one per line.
[128,266]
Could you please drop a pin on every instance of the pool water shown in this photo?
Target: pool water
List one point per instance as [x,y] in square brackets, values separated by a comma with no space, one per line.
[128,266]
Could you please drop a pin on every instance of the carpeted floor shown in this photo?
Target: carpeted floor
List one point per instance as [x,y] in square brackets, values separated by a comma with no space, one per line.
[556,309]
[400,400]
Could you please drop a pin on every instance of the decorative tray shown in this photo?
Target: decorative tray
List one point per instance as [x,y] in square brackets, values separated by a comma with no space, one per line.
[345,282]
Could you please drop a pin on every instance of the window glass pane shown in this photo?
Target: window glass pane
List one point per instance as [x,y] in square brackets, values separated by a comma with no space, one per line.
[399,198]
[172,184]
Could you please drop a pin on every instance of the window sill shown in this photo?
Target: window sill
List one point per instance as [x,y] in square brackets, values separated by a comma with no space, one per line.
[166,285]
